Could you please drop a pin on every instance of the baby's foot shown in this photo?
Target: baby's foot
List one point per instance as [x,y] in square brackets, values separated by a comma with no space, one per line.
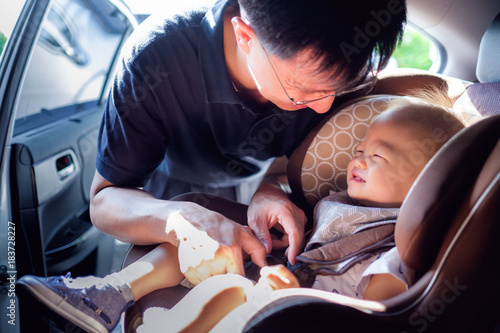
[89,302]
[279,277]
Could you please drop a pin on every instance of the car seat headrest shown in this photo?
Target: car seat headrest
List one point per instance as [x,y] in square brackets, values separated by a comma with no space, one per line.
[480,98]
[483,95]
[488,63]
[446,186]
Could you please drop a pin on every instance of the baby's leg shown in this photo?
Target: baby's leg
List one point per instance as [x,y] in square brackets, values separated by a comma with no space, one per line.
[202,308]
[157,269]
[214,298]
[273,279]
[96,304]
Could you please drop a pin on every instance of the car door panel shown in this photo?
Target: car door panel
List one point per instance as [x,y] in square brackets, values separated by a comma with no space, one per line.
[56,70]
[52,168]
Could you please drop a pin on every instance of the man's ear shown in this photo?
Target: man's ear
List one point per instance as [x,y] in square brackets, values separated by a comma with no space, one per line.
[244,34]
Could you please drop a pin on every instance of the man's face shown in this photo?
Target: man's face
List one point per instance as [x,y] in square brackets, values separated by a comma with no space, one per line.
[279,80]
[386,164]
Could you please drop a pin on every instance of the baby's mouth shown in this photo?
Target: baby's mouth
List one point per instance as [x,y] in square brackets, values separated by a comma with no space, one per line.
[356,177]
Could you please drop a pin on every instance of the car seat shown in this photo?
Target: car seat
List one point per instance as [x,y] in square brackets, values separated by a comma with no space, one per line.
[449,235]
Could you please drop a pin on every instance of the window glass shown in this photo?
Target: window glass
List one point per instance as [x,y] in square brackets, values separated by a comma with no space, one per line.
[71,58]
[416,51]
[8,17]
[3,40]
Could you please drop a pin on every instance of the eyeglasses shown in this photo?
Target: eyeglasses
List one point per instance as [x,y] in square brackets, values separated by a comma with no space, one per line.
[365,84]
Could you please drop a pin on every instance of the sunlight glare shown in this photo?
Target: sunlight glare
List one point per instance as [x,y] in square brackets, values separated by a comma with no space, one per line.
[155,6]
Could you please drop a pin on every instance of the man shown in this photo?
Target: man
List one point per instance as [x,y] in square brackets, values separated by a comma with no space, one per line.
[204,101]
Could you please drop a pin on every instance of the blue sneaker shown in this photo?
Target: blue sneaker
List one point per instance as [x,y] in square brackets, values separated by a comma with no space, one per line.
[88,302]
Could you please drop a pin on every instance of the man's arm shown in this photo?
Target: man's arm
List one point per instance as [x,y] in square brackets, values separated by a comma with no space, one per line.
[124,212]
[271,207]
[135,216]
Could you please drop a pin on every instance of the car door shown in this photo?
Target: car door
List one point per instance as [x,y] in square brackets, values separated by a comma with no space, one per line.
[55,69]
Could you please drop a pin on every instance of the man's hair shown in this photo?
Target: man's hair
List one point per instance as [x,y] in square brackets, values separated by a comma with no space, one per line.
[352,38]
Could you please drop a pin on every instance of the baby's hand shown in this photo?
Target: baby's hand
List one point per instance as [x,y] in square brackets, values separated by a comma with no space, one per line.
[279,277]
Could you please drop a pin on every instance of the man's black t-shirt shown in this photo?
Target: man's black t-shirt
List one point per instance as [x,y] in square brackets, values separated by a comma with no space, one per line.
[173,103]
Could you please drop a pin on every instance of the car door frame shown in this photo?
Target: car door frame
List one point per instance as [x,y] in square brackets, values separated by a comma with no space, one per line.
[13,62]
[13,66]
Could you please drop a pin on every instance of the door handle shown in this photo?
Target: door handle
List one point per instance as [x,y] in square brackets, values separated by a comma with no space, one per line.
[54,172]
[65,166]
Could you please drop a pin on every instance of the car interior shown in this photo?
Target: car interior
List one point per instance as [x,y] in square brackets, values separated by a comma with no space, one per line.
[54,79]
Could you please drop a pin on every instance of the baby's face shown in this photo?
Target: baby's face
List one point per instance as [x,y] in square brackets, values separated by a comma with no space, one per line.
[386,164]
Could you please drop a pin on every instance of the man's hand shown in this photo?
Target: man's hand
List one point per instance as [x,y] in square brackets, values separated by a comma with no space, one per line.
[270,207]
[210,244]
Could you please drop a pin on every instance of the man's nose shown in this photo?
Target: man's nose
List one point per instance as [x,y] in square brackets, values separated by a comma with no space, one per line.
[322,106]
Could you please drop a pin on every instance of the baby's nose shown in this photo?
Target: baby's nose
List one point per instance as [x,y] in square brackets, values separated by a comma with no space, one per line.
[360,162]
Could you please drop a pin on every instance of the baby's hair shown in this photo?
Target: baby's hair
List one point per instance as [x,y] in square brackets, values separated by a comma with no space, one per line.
[437,121]
[438,95]
[434,95]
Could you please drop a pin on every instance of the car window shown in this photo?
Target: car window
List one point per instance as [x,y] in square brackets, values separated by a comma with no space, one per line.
[418,51]
[3,41]
[71,59]
[8,18]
